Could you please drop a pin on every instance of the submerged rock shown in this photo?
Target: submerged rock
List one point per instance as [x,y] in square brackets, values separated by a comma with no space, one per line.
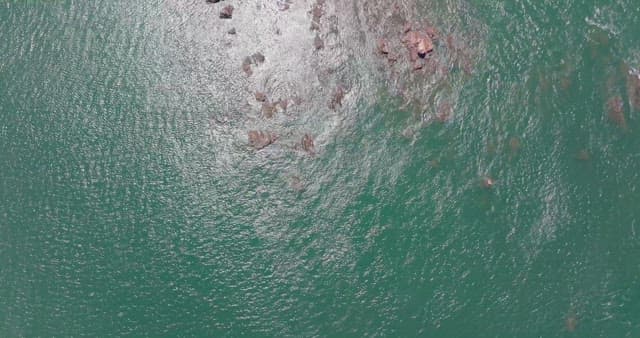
[338,96]
[268,109]
[226,12]
[260,96]
[418,43]
[383,47]
[615,108]
[257,58]
[633,89]
[487,182]
[308,144]
[583,155]
[246,66]
[318,43]
[283,104]
[260,139]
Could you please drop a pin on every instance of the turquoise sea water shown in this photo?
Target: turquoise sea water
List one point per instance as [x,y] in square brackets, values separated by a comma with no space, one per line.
[131,205]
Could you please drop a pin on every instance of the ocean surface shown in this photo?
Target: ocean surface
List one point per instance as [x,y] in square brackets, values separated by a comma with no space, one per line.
[133,204]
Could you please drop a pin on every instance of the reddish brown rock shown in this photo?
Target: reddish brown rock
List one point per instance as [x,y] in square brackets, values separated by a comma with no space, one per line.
[383,47]
[318,43]
[307,144]
[226,12]
[432,32]
[261,139]
[424,46]
[419,45]
[268,109]
[338,96]
[261,97]
[444,112]
[571,323]
[615,108]
[317,12]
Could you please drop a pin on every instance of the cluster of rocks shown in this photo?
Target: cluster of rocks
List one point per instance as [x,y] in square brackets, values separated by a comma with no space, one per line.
[255,59]
[226,12]
[269,108]
[317,11]
[418,42]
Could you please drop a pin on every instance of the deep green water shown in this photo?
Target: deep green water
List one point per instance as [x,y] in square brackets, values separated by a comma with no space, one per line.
[124,210]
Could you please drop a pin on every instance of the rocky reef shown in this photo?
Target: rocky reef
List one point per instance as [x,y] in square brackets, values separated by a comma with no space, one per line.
[301,67]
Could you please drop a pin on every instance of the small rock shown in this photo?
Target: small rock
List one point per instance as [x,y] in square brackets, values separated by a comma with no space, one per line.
[307,143]
[383,48]
[232,31]
[633,89]
[432,32]
[318,43]
[336,100]
[425,45]
[283,104]
[261,97]
[583,155]
[616,111]
[316,13]
[257,58]
[571,323]
[213,1]
[514,144]
[444,112]
[246,66]
[268,109]
[296,184]
[261,139]
[487,182]
[226,12]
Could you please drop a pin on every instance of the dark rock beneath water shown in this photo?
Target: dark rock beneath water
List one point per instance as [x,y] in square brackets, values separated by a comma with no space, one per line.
[615,106]
[383,47]
[246,66]
[583,155]
[261,139]
[318,43]
[226,12]
[338,96]
[308,144]
[258,58]
[633,90]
